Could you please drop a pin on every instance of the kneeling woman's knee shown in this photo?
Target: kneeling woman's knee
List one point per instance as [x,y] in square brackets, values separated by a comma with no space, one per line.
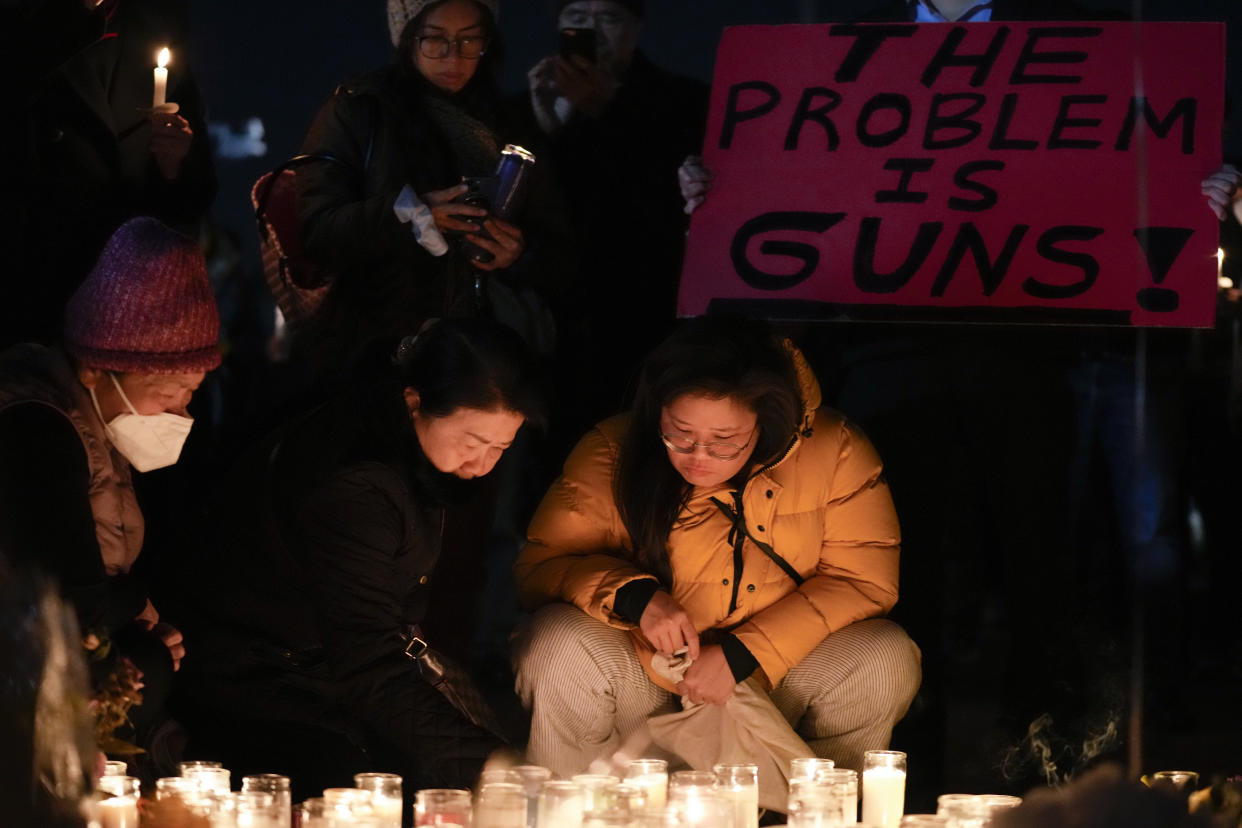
[894,663]
[563,640]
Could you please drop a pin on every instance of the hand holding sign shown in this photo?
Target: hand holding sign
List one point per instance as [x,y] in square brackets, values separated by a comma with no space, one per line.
[1221,189]
[694,180]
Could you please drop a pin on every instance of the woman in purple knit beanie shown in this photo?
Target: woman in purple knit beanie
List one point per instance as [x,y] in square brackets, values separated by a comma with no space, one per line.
[75,422]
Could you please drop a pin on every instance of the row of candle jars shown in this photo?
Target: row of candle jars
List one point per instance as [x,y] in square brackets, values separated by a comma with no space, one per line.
[646,796]
[820,796]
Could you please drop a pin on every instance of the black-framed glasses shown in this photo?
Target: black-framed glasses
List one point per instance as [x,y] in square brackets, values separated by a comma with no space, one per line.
[718,449]
[437,47]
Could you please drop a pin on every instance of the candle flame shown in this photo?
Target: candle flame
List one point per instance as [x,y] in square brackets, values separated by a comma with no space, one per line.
[163,58]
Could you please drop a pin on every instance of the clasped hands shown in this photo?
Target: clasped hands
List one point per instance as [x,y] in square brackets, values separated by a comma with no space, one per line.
[668,628]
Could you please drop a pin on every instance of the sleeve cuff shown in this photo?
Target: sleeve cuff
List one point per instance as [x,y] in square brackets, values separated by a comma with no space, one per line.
[632,599]
[741,662]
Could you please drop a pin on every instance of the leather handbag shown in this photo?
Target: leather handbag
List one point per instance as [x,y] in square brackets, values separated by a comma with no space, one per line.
[453,682]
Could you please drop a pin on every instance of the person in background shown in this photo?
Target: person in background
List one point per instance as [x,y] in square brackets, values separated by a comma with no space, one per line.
[380,209]
[615,126]
[321,557]
[84,148]
[730,515]
[79,418]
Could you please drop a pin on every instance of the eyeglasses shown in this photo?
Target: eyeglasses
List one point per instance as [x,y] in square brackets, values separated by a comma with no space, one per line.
[718,449]
[437,47]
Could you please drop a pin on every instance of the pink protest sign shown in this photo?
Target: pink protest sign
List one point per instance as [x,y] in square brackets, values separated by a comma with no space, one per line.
[979,172]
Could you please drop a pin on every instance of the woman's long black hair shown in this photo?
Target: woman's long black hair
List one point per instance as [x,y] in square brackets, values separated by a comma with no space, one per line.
[716,357]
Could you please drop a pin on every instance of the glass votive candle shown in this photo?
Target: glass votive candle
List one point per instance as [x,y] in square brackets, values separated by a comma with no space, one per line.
[883,788]
[312,813]
[691,806]
[115,767]
[993,804]
[616,805]
[1180,782]
[560,805]
[214,779]
[652,776]
[807,767]
[506,776]
[254,809]
[691,779]
[183,767]
[814,805]
[278,787]
[533,777]
[962,810]
[119,806]
[626,797]
[844,784]
[739,785]
[500,805]
[386,798]
[593,786]
[924,821]
[174,786]
[442,806]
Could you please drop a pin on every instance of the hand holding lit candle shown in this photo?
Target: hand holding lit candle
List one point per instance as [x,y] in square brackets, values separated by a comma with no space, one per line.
[171,134]
[161,78]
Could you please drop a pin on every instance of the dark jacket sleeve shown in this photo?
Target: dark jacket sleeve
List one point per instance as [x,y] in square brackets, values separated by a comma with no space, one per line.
[353,529]
[347,222]
[46,519]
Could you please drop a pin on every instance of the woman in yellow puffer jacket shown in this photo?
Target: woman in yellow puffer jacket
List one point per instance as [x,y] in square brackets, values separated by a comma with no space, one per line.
[729,515]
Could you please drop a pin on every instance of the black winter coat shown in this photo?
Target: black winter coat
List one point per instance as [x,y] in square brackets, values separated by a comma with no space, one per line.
[323,553]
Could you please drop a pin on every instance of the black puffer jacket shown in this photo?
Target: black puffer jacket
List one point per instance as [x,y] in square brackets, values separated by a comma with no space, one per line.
[322,552]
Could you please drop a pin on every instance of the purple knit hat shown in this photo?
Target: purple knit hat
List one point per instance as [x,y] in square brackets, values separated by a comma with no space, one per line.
[147,306]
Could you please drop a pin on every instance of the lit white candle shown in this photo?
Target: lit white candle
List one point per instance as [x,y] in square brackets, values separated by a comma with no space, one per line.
[161,78]
[118,812]
[387,810]
[656,787]
[651,776]
[560,805]
[745,802]
[883,797]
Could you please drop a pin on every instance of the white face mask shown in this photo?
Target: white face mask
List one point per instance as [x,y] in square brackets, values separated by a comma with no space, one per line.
[147,441]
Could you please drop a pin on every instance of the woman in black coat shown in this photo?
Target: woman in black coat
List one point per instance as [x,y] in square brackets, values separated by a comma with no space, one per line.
[323,557]
[376,209]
